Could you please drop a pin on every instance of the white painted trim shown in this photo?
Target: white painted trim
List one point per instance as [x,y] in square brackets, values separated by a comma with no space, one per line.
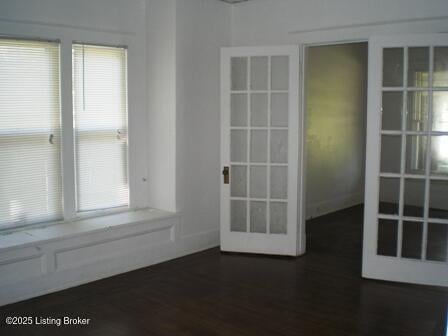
[369,24]
[33,271]
[79,228]
[67,132]
[45,260]
[301,169]
[363,34]
[60,25]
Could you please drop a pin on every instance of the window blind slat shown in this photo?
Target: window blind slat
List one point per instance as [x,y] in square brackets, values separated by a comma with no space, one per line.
[100,114]
[30,165]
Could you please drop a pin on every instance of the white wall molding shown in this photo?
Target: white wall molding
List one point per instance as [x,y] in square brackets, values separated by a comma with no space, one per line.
[368,24]
[67,26]
[299,21]
[68,262]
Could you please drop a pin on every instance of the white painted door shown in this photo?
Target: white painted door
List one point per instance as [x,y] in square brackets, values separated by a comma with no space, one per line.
[406,215]
[260,150]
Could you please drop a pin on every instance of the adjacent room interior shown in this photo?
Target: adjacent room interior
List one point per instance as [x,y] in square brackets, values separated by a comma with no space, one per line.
[224,167]
[335,99]
[335,116]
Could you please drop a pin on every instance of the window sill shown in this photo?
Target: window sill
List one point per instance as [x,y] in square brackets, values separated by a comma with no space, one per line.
[32,236]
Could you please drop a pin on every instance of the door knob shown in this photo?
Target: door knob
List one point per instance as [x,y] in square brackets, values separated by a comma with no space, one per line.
[226,175]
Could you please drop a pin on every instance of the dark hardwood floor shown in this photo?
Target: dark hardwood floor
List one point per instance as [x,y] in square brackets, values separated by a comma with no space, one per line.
[210,293]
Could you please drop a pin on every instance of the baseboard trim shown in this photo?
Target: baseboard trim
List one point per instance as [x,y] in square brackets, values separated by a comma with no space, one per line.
[331,205]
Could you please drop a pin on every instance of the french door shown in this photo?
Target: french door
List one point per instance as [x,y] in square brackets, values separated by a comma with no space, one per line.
[260,150]
[406,217]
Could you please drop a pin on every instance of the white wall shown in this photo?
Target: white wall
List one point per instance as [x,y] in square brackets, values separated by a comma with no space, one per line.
[184,41]
[113,15]
[161,96]
[175,48]
[336,131]
[275,21]
[203,26]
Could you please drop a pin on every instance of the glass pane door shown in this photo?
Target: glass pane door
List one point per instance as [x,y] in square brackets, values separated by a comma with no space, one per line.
[259,144]
[406,227]
[413,201]
[260,132]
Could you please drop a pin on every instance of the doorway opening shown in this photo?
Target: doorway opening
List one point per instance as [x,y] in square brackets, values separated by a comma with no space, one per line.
[335,107]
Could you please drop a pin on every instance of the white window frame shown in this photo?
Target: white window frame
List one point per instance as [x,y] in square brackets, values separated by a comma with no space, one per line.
[115,209]
[137,116]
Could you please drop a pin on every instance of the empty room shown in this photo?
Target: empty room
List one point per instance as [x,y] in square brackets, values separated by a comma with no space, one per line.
[224,167]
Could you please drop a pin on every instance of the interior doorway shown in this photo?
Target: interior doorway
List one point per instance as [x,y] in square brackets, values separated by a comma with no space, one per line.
[335,105]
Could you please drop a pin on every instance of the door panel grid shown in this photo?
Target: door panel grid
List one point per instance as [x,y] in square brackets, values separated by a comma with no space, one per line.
[414,155]
[259,139]
[260,131]
[406,203]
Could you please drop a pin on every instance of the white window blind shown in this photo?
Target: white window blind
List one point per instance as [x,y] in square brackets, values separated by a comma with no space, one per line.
[100,114]
[30,169]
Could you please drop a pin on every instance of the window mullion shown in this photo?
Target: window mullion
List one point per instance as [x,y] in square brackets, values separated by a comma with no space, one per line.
[68,155]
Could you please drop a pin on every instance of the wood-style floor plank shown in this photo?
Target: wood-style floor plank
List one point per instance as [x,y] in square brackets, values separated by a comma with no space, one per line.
[210,293]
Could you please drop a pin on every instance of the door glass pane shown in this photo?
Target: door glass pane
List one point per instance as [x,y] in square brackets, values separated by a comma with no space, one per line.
[414,197]
[439,155]
[238,213]
[392,67]
[258,217]
[259,109]
[238,110]
[418,67]
[278,216]
[279,182]
[438,199]
[280,73]
[392,111]
[417,114]
[416,147]
[390,154]
[279,146]
[412,240]
[437,246]
[259,72]
[239,73]
[238,181]
[387,237]
[440,66]
[279,109]
[238,146]
[389,196]
[259,146]
[258,182]
[440,111]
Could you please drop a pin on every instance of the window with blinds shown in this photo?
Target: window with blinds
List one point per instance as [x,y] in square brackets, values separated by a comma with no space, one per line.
[100,115]
[30,151]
